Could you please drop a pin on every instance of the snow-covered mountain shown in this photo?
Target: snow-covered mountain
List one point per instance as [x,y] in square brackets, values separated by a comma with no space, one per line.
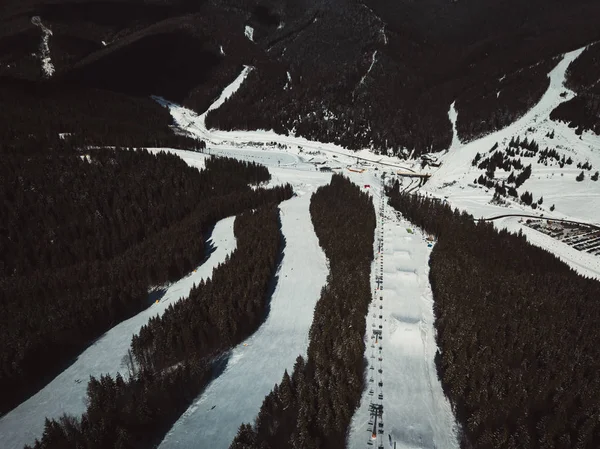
[464,113]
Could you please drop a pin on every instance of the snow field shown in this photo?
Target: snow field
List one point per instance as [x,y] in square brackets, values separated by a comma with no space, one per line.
[257,364]
[194,125]
[579,201]
[66,393]
[401,375]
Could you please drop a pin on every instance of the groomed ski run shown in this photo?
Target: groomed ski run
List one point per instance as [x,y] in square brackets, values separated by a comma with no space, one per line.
[257,364]
[66,393]
[403,405]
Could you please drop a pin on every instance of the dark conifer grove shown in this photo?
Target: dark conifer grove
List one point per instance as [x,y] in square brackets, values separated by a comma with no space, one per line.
[583,110]
[517,331]
[173,356]
[84,237]
[312,407]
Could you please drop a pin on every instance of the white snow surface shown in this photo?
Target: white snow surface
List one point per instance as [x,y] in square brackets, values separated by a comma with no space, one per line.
[257,364]
[579,201]
[47,66]
[416,413]
[66,392]
[194,125]
[453,116]
[249,32]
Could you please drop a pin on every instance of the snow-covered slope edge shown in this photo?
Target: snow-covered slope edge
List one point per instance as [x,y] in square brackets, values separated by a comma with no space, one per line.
[194,125]
[459,157]
[67,392]
[579,201]
[258,363]
[401,375]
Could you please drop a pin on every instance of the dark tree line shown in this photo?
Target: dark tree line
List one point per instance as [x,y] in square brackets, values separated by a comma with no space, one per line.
[220,311]
[517,332]
[582,111]
[136,411]
[312,407]
[361,73]
[496,103]
[84,240]
[39,112]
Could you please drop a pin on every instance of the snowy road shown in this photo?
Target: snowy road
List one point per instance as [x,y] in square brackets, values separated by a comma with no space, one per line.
[401,373]
[66,393]
[258,364]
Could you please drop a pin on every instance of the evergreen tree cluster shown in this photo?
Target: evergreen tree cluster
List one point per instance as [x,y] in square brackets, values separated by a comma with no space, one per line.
[172,357]
[583,110]
[496,102]
[313,407]
[84,237]
[83,116]
[517,332]
[509,159]
[220,311]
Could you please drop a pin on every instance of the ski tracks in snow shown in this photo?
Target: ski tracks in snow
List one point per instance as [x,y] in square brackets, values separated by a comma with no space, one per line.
[414,410]
[257,364]
[66,393]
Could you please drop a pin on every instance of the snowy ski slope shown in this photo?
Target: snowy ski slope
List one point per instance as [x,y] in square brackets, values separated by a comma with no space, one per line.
[579,201]
[401,375]
[66,392]
[258,364]
[415,412]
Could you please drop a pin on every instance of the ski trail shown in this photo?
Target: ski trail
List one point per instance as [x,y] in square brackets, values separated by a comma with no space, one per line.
[194,125]
[364,77]
[47,66]
[453,116]
[66,393]
[401,377]
[257,364]
[458,157]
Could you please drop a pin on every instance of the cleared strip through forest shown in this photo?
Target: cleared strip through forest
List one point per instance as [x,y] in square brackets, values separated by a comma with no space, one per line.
[316,402]
[257,364]
[66,392]
[174,356]
[517,331]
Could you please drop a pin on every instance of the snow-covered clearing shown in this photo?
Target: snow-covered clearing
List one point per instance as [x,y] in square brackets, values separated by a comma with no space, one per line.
[66,393]
[579,201]
[401,375]
[47,66]
[453,116]
[257,364]
[194,125]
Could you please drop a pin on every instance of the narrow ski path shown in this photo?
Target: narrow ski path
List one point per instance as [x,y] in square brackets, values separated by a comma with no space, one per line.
[257,364]
[66,393]
[403,405]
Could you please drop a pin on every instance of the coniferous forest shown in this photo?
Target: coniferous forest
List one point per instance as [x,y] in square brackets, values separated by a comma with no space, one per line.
[370,73]
[517,331]
[85,236]
[312,407]
[136,410]
[582,111]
